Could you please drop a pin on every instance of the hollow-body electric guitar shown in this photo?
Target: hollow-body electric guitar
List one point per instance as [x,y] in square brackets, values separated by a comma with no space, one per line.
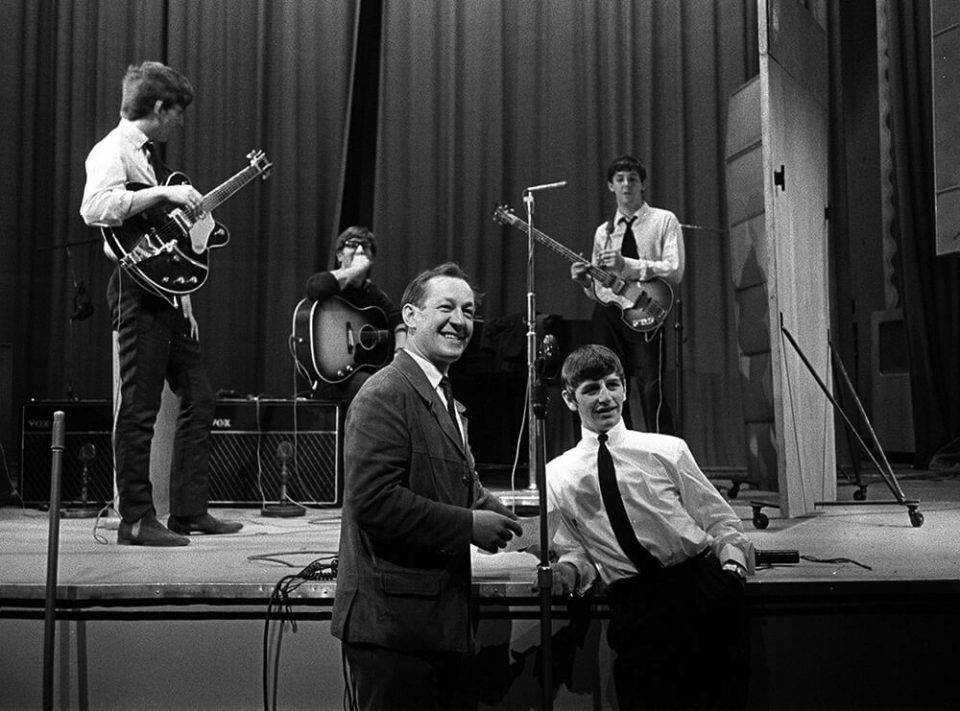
[166,247]
[644,305]
[333,339]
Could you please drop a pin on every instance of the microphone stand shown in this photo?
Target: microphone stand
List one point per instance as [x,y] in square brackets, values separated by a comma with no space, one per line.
[536,453]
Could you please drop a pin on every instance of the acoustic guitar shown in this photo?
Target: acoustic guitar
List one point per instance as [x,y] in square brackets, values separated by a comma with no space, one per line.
[333,340]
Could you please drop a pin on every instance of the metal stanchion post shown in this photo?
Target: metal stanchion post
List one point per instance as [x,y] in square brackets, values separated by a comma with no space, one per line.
[53,551]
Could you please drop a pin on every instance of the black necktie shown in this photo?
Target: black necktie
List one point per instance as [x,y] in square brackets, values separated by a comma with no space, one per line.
[613,502]
[159,167]
[629,246]
[448,394]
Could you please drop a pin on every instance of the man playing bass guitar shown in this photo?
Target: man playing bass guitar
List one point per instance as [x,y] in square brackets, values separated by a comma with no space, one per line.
[157,337]
[640,242]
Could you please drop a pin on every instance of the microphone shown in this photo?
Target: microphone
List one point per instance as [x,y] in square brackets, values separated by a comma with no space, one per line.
[284,451]
[82,306]
[546,186]
[548,361]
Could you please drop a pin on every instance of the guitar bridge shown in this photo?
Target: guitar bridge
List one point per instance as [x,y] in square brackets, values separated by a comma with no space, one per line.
[351,341]
[145,250]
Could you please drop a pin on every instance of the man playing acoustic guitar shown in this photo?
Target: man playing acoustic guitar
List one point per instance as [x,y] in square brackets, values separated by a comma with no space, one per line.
[156,339]
[357,301]
[641,242]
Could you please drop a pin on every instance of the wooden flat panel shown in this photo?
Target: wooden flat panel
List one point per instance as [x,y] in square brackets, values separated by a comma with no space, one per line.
[749,255]
[892,404]
[757,388]
[948,222]
[753,320]
[798,43]
[945,19]
[748,249]
[762,446]
[745,198]
[743,119]
[795,174]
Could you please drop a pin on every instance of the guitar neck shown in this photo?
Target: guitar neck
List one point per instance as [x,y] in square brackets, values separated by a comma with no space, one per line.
[228,188]
[599,275]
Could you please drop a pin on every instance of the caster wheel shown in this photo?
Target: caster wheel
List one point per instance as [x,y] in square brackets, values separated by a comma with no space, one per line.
[916,518]
[734,490]
[860,494]
[760,520]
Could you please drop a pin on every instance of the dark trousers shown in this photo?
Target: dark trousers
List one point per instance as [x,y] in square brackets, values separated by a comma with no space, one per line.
[154,345]
[681,638]
[643,356]
[379,678]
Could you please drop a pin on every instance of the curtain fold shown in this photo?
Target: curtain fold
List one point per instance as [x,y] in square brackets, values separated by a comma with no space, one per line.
[931,284]
[480,99]
[274,75]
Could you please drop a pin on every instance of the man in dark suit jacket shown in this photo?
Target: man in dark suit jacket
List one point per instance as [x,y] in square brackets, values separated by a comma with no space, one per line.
[412,506]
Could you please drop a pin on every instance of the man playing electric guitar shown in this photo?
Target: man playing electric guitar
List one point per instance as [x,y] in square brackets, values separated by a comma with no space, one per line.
[156,339]
[639,243]
[350,282]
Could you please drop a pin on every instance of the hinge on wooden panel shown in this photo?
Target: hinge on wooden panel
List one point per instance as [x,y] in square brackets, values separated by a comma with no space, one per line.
[780,177]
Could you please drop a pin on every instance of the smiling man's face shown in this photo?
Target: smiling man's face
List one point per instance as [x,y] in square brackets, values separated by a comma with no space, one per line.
[440,329]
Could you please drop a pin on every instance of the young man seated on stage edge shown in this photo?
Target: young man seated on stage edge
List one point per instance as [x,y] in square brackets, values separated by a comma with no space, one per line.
[634,514]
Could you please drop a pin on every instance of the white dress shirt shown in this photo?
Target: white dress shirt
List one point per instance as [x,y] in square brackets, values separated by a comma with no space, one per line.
[119,158]
[659,244]
[676,512]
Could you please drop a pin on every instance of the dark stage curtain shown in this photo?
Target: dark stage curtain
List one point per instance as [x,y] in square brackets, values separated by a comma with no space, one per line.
[274,75]
[476,100]
[931,284]
[480,99]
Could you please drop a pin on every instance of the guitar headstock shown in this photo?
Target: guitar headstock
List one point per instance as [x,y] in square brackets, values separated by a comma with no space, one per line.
[259,162]
[504,214]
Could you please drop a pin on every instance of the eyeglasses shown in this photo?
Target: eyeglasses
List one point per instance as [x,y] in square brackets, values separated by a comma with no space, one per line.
[355,242]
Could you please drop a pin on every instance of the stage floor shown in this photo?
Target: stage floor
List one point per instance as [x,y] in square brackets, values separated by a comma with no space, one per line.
[848,549]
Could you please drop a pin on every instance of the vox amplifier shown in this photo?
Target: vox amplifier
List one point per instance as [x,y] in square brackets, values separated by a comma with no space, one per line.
[88,427]
[247,461]
[254,440]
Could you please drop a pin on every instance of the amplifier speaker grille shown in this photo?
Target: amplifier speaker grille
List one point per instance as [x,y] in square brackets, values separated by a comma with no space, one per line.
[245,469]
[85,422]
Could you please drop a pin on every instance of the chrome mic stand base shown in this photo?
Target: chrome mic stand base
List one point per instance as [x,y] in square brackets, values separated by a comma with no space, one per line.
[79,511]
[282,510]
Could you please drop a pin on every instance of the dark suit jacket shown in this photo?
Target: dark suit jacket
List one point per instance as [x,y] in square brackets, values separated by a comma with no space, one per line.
[410,483]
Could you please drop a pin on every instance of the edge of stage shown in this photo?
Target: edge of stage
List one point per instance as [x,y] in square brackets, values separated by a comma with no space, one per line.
[884,635]
[242,569]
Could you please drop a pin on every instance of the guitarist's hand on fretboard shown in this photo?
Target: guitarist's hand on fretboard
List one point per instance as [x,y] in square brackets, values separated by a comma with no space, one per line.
[580,273]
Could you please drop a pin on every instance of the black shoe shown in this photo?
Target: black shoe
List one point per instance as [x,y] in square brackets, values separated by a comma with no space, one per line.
[148,531]
[204,523]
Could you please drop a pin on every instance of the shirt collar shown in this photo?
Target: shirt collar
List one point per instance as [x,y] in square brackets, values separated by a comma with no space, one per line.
[615,435]
[132,133]
[639,213]
[429,369]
